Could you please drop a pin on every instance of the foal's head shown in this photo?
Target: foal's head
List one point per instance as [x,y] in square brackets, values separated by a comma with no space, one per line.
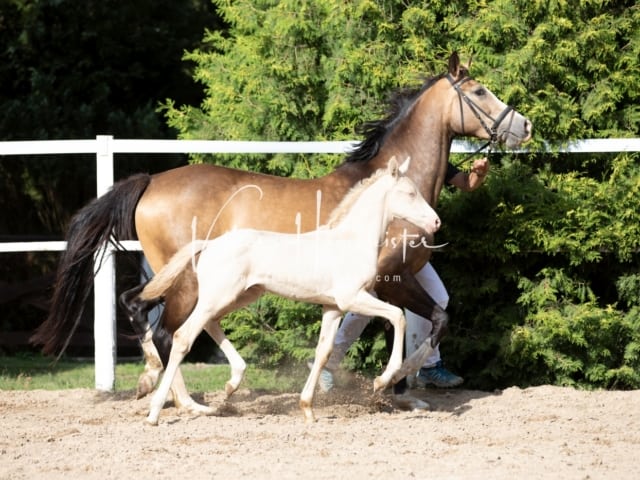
[402,199]
[405,201]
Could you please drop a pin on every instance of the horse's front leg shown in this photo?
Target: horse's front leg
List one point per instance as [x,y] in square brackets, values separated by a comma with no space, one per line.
[329,327]
[408,293]
[415,361]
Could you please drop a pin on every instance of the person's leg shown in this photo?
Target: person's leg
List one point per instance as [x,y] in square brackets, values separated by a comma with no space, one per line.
[419,328]
[352,326]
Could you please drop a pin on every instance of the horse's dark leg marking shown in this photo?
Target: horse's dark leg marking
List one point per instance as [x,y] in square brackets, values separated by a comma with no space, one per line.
[137,311]
[410,294]
[162,340]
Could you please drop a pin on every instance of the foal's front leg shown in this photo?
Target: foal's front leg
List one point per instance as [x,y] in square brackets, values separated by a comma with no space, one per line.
[367,304]
[329,327]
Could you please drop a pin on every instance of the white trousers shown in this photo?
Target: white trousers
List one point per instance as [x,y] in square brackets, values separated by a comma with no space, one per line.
[418,328]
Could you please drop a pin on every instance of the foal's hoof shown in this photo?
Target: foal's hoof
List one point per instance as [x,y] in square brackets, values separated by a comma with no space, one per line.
[229,388]
[307,411]
[197,409]
[151,421]
[379,384]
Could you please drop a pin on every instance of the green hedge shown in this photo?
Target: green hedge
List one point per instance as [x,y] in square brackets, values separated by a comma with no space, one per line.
[542,262]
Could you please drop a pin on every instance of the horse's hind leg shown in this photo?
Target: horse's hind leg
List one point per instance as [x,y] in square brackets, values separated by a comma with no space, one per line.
[137,311]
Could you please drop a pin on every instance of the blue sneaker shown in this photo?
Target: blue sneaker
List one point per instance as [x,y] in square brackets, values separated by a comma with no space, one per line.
[325,382]
[438,376]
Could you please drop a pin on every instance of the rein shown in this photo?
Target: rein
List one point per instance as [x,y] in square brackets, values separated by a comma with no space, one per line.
[479,113]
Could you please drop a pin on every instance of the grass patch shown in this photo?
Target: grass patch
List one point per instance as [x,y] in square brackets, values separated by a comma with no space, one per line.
[33,372]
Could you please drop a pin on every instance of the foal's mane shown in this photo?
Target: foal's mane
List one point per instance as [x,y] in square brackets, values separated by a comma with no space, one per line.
[376,131]
[352,196]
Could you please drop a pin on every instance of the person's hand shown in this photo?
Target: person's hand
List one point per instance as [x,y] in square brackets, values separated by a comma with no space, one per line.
[481,167]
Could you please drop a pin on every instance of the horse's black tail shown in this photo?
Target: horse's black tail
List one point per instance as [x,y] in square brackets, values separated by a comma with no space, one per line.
[109,218]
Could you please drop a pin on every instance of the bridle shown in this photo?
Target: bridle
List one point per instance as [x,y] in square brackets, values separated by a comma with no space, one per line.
[480,114]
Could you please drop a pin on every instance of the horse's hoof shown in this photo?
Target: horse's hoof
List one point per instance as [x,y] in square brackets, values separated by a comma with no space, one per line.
[406,402]
[145,386]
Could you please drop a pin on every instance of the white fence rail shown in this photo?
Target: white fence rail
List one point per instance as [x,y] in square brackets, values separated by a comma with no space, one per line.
[104,147]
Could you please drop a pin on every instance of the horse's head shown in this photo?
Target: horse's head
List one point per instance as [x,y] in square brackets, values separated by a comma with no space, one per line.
[476,111]
[405,201]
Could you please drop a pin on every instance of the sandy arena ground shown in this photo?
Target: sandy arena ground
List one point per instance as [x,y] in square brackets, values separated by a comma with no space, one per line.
[538,433]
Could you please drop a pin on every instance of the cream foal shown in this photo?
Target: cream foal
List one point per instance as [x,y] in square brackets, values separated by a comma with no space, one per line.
[334,266]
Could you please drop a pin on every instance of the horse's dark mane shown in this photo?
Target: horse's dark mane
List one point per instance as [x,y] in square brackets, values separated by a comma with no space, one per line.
[375,131]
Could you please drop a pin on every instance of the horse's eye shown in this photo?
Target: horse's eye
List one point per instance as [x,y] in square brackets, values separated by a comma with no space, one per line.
[480,92]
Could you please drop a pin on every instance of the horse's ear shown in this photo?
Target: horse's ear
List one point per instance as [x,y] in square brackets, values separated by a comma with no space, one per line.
[393,168]
[454,65]
[404,168]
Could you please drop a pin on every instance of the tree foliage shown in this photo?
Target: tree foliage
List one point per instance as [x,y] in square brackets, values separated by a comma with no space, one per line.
[553,238]
[74,69]
[77,68]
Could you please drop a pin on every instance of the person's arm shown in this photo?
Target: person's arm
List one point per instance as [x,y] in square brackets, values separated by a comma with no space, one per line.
[468,182]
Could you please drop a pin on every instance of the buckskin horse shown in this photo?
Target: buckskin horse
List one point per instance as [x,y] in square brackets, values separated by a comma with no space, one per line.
[334,266]
[159,209]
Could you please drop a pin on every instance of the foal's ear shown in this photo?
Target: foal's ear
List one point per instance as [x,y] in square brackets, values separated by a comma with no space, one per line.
[404,168]
[468,65]
[393,168]
[454,65]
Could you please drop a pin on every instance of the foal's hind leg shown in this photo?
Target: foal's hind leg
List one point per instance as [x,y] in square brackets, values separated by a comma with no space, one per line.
[180,300]
[236,362]
[183,339]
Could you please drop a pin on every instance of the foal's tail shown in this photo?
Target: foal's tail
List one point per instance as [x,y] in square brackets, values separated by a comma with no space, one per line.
[109,218]
[166,277]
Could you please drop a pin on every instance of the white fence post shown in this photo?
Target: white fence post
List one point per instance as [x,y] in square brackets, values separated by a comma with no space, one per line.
[104,319]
